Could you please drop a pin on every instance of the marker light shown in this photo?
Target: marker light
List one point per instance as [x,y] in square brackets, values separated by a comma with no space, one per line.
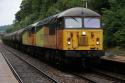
[83,33]
[97,43]
[69,43]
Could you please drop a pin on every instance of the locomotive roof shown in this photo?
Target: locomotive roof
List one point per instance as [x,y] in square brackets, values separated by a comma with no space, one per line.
[46,20]
[16,32]
[78,11]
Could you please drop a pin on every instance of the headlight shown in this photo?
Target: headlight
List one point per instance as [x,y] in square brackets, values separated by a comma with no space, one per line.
[97,43]
[69,42]
[83,33]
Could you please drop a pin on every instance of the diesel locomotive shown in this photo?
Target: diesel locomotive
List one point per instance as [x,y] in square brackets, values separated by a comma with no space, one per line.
[65,38]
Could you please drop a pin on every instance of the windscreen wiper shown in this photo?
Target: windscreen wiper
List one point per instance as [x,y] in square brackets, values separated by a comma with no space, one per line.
[75,19]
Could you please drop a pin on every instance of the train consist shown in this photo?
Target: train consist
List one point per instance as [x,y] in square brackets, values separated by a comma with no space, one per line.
[68,37]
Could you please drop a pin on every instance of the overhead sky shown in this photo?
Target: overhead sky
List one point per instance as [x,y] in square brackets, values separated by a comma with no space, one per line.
[8,9]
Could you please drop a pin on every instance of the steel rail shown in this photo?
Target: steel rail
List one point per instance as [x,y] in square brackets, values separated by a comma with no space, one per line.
[83,77]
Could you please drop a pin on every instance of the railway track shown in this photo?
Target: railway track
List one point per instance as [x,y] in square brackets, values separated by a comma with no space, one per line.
[96,77]
[109,74]
[84,77]
[41,72]
[63,75]
[12,69]
[99,76]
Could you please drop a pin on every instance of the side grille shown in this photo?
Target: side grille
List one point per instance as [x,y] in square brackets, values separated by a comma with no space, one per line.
[83,41]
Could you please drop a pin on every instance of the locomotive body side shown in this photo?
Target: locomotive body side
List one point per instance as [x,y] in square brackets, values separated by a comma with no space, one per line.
[25,38]
[40,37]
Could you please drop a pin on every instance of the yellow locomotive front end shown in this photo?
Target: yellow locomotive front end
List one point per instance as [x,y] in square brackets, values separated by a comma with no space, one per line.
[83,39]
[83,35]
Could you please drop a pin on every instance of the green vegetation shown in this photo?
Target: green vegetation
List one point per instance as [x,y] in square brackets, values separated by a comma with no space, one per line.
[112,12]
[4,28]
[115,26]
[116,51]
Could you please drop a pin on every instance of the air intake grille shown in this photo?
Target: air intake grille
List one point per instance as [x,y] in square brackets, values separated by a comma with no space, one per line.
[83,41]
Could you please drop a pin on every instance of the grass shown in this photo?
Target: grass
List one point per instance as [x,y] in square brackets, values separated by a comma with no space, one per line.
[117,51]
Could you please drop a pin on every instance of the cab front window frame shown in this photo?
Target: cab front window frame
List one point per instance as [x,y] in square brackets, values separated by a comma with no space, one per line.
[92,22]
[82,22]
[73,22]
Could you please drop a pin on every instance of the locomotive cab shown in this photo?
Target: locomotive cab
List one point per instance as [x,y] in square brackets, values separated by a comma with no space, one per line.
[81,34]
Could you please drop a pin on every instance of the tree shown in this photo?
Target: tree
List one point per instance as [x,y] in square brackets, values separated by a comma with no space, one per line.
[114,20]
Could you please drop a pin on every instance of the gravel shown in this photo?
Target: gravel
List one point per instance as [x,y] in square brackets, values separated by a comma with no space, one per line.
[27,73]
